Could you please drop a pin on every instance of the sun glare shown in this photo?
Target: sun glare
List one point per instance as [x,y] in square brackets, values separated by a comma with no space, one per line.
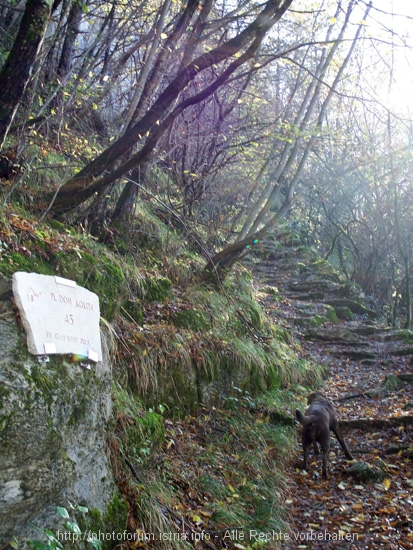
[392,23]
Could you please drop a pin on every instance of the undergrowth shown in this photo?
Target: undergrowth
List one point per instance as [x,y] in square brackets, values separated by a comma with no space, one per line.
[216,476]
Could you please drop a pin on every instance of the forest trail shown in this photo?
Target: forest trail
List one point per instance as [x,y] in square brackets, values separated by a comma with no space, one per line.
[367,503]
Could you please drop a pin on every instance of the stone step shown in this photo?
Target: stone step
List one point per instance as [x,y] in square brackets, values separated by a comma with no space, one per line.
[333,335]
[355,307]
[313,286]
[356,354]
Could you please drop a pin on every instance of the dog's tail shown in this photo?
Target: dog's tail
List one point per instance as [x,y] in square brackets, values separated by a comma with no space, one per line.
[305,420]
[300,417]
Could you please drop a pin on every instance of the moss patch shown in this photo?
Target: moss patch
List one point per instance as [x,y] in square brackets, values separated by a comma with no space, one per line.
[193,319]
[134,309]
[156,289]
[331,314]
[114,519]
[31,263]
[317,321]
[344,313]
[349,290]
[324,269]
[99,275]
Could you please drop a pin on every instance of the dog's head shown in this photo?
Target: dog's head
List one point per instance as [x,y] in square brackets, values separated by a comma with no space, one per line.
[315,396]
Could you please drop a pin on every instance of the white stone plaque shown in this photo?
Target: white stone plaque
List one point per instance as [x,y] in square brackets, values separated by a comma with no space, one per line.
[58,316]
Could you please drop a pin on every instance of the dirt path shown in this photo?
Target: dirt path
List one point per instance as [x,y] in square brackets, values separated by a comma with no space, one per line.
[364,359]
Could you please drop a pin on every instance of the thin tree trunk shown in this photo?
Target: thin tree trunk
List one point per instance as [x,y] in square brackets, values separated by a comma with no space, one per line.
[147,67]
[16,72]
[73,25]
[126,202]
[229,256]
[291,150]
[408,290]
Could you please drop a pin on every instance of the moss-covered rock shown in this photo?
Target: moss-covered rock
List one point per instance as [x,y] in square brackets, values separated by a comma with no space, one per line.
[317,320]
[355,307]
[331,314]
[344,313]
[401,335]
[350,290]
[323,269]
[363,472]
[311,286]
[271,290]
[113,519]
[54,419]
[332,335]
[392,382]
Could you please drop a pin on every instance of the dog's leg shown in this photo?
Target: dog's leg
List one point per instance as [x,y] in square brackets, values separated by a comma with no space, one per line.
[306,441]
[340,438]
[324,440]
[305,465]
[325,460]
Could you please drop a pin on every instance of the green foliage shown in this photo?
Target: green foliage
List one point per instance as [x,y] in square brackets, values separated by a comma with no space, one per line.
[71,534]
[228,472]
[185,267]
[153,235]
[349,290]
[140,431]
[365,473]
[49,252]
[331,314]
[19,261]
[114,519]
[45,383]
[230,312]
[197,346]
[344,313]
[323,268]
[249,496]
[134,310]
[317,320]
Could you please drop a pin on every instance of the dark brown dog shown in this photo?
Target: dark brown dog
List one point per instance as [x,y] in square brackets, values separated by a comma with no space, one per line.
[317,421]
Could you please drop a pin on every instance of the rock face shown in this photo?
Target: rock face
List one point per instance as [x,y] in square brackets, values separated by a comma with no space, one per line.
[53,430]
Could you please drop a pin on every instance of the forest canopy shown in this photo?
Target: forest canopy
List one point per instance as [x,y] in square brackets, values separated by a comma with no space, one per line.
[228,117]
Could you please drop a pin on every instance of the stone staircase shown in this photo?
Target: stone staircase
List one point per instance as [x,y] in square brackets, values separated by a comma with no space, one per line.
[329,316]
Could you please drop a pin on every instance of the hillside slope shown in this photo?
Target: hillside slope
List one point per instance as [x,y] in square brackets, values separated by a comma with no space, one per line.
[201,382]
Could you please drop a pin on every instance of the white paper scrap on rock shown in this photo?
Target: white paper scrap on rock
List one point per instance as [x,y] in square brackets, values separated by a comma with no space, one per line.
[58,318]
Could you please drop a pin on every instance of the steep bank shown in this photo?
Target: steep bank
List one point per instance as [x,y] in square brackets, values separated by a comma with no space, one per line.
[183,349]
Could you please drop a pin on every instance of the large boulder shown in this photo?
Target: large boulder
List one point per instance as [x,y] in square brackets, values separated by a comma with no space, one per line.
[53,431]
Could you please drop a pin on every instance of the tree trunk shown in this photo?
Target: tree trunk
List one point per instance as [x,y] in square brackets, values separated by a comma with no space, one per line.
[408,323]
[125,205]
[16,72]
[73,25]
